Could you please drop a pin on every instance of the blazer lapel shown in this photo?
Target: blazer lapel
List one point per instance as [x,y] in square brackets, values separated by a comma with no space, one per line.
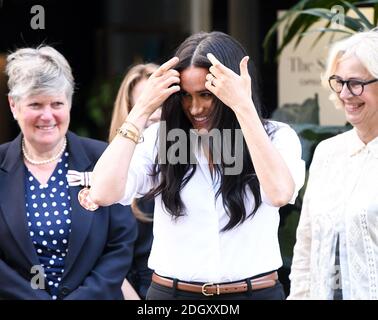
[81,218]
[13,204]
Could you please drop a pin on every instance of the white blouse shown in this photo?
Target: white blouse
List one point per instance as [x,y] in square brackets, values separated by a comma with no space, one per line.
[341,199]
[192,248]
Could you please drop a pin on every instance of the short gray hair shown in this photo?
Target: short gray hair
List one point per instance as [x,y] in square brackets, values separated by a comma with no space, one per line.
[41,70]
[363,46]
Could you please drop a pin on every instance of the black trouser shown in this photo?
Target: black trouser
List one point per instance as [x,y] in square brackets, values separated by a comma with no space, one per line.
[159,292]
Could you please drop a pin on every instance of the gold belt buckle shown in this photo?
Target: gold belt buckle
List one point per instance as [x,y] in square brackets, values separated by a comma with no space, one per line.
[206,285]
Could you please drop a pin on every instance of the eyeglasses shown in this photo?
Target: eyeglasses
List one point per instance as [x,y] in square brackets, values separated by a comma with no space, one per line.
[356,87]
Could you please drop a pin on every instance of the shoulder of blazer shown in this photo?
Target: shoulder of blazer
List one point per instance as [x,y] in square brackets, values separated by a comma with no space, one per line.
[3,150]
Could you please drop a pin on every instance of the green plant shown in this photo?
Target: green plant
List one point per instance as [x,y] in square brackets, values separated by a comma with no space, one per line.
[299,19]
[99,107]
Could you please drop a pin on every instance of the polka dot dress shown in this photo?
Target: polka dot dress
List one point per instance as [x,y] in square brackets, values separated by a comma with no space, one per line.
[48,212]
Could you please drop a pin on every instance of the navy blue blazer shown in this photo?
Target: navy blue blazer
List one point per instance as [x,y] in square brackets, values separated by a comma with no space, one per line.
[100,245]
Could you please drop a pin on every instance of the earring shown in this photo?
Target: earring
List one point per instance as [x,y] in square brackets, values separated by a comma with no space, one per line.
[14,117]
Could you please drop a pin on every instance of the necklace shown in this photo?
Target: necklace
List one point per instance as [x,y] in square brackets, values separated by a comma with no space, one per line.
[41,162]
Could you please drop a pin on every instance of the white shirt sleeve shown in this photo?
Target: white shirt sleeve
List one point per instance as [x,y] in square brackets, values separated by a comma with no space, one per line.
[139,178]
[287,143]
[300,276]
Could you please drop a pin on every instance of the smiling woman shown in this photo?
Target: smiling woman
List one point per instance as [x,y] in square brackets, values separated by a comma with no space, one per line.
[215,231]
[42,225]
[336,253]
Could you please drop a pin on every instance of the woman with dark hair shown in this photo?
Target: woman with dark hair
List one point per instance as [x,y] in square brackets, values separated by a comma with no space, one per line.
[217,171]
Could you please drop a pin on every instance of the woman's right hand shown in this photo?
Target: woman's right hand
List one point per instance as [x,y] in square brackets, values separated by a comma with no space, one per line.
[160,85]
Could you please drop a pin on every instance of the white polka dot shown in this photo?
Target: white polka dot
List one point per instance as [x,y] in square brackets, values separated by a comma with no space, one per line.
[39,251]
[54,256]
[41,233]
[35,205]
[43,186]
[53,190]
[38,223]
[54,204]
[56,285]
[66,165]
[55,242]
[68,221]
[64,204]
[63,254]
[51,232]
[44,242]
[61,231]
[31,233]
[51,283]
[61,183]
[30,178]
[51,262]
[34,242]
[27,205]
[62,194]
[51,195]
[48,223]
[54,297]
[57,250]
[64,241]
[44,205]
[59,279]
[43,195]
[69,198]
[58,221]
[67,186]
[56,212]
[53,179]
[36,214]
[60,171]
[66,154]
[33,196]
[65,212]
[32,188]
[54,273]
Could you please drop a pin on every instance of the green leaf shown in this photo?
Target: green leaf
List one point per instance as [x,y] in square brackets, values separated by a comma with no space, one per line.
[362,17]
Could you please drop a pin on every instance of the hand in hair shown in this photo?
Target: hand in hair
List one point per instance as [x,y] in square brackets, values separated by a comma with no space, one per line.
[232,89]
[161,84]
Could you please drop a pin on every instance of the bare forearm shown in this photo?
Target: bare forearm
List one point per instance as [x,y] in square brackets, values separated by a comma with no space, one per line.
[110,172]
[271,169]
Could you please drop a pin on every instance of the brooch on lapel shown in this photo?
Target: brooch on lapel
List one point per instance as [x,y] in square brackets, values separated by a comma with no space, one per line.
[76,178]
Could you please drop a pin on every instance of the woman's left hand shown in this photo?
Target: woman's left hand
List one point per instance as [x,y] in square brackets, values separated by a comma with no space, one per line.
[232,89]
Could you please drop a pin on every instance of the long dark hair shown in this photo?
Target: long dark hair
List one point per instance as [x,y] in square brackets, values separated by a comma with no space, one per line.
[173,177]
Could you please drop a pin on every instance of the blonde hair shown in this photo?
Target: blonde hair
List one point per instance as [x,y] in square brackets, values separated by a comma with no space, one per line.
[123,103]
[38,70]
[363,46]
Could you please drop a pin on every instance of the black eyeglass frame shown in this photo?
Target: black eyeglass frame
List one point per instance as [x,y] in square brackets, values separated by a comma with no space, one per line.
[347,82]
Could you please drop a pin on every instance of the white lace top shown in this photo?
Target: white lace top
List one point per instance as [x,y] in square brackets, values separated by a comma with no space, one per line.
[341,198]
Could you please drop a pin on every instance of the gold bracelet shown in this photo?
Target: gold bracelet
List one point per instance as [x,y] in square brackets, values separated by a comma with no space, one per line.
[132,124]
[130,134]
